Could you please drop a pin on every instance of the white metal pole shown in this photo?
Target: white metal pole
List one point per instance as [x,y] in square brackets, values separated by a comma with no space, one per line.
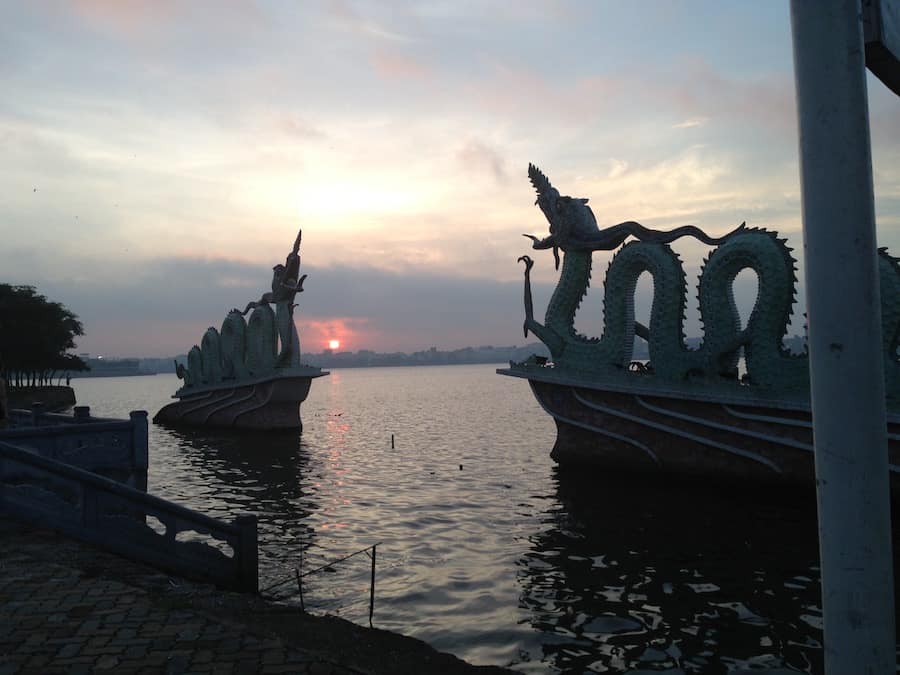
[845,352]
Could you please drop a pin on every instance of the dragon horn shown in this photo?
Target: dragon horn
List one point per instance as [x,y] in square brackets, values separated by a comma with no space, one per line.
[539,180]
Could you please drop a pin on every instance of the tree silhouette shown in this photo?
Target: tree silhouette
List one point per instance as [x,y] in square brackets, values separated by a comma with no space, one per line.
[35,336]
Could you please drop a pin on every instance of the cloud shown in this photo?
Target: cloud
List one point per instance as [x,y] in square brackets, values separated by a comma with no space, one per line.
[151,19]
[707,186]
[528,98]
[391,64]
[162,308]
[703,92]
[366,26]
[126,16]
[475,154]
[353,333]
[691,123]
[296,127]
[617,168]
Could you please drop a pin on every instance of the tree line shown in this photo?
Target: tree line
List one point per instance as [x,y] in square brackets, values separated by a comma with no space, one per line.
[35,336]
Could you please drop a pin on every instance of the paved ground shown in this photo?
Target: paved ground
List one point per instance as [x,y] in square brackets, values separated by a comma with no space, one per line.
[57,620]
[68,608]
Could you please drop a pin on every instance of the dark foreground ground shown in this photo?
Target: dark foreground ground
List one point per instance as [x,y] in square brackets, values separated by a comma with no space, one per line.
[66,607]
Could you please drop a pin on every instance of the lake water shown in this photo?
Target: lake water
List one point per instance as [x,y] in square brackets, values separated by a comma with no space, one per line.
[485,549]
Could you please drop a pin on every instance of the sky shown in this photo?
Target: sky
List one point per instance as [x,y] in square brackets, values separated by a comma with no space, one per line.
[157,157]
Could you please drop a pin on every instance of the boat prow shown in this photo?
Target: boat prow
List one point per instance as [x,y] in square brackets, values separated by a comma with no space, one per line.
[267,403]
[248,374]
[728,433]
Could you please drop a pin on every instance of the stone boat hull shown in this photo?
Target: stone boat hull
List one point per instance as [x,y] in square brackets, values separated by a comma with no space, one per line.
[267,404]
[719,435]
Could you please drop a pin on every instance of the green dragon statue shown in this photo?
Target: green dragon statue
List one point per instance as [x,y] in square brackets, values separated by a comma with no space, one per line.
[574,230]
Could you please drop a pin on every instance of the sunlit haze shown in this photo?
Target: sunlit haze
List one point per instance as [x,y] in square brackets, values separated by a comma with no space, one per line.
[158,157]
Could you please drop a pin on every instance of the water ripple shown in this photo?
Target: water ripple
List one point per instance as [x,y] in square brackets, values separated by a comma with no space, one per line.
[489,551]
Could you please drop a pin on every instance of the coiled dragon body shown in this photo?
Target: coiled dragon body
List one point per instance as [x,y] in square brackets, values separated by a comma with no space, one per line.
[573,229]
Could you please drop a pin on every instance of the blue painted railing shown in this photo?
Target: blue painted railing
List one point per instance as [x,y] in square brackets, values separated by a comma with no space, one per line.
[127,521]
[116,449]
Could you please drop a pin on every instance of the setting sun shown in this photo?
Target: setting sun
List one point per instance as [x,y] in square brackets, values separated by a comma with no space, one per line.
[334,344]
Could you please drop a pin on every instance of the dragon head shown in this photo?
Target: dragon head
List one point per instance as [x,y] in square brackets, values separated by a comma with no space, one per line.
[547,195]
[570,218]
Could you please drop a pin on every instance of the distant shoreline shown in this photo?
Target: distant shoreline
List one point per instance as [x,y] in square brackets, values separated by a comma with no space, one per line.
[109,373]
[109,367]
[364,358]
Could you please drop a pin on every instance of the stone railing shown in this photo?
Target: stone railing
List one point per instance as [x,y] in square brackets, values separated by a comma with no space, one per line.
[126,521]
[116,449]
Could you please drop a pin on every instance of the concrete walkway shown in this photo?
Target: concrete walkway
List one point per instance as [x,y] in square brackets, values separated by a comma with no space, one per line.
[56,619]
[69,608]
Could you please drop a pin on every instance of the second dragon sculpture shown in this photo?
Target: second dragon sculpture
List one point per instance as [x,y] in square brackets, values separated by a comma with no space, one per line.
[574,230]
[249,373]
[687,410]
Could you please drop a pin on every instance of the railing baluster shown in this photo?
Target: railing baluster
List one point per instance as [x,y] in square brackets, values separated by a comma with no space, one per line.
[88,507]
[246,554]
[139,438]
[241,572]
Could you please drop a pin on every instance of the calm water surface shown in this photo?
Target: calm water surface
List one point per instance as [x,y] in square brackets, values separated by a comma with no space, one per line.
[486,550]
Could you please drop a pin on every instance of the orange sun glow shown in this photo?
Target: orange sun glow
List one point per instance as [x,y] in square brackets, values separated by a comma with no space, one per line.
[334,344]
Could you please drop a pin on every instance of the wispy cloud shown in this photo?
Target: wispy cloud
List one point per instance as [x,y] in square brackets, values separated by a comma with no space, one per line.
[691,123]
[295,126]
[367,26]
[391,64]
[476,155]
[617,168]
[127,17]
[149,19]
[702,91]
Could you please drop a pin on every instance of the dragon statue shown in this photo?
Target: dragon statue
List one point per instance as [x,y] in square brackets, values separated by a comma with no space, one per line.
[574,231]
[245,349]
